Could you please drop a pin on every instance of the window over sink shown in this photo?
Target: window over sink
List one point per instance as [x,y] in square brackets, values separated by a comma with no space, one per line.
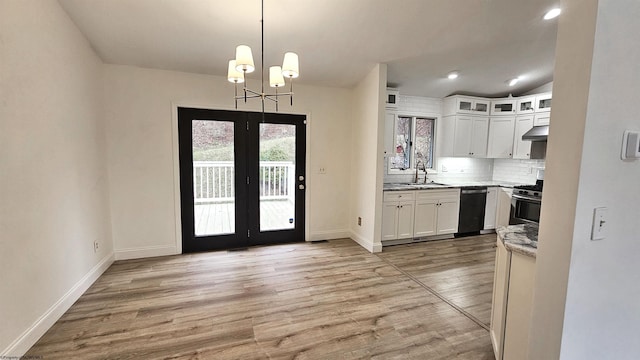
[413,144]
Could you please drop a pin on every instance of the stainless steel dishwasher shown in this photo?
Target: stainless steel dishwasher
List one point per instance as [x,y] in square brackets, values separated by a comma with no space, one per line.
[472,204]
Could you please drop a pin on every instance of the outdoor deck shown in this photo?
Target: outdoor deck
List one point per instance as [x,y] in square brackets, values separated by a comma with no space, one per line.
[219,218]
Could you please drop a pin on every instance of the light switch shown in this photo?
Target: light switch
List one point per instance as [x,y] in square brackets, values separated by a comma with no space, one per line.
[599,227]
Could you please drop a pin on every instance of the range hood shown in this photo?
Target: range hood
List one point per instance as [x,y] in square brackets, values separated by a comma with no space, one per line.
[537,133]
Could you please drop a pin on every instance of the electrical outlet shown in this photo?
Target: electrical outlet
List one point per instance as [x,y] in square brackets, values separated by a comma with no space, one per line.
[322,170]
[359,221]
[96,246]
[444,168]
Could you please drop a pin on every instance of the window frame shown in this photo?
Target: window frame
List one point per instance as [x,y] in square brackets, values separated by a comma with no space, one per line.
[412,159]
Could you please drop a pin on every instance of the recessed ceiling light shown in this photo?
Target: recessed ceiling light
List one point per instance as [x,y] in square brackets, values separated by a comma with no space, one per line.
[452,75]
[552,13]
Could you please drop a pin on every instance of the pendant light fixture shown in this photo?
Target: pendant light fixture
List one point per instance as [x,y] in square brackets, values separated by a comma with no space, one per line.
[243,64]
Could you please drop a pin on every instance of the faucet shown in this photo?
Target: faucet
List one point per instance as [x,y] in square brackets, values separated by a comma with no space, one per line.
[425,174]
[418,162]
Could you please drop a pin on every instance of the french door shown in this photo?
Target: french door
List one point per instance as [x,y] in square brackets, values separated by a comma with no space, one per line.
[242,178]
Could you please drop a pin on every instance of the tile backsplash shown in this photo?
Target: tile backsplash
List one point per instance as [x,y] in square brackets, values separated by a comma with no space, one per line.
[520,171]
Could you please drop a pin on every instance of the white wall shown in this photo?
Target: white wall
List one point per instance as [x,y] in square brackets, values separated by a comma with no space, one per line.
[594,100]
[367,159]
[141,153]
[53,184]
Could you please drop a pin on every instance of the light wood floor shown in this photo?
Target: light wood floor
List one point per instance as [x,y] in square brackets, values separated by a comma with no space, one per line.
[330,300]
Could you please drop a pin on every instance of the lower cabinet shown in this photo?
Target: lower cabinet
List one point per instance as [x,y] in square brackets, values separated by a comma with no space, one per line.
[504,207]
[512,304]
[397,215]
[419,213]
[491,208]
[499,304]
[436,212]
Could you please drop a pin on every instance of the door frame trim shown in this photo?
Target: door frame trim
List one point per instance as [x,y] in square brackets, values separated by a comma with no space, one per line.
[176,163]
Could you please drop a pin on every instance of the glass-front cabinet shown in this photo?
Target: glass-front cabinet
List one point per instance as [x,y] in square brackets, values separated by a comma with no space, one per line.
[543,102]
[503,106]
[526,105]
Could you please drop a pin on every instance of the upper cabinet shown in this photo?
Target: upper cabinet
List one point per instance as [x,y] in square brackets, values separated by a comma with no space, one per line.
[503,106]
[543,102]
[465,135]
[526,105]
[458,104]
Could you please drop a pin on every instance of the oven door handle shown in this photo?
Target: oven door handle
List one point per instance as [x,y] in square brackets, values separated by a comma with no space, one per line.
[527,198]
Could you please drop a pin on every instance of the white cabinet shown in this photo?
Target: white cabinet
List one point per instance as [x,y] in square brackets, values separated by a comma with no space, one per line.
[522,148]
[500,144]
[397,215]
[504,207]
[503,106]
[543,102]
[465,135]
[526,105]
[518,307]
[491,208]
[499,303]
[436,212]
[465,105]
[542,118]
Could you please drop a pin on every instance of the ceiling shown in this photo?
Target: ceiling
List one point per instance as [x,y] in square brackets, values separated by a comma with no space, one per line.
[338,41]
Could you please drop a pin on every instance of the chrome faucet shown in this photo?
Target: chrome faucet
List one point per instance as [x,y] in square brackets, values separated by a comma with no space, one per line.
[418,162]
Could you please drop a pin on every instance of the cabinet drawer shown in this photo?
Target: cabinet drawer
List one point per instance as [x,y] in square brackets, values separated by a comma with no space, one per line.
[437,194]
[398,195]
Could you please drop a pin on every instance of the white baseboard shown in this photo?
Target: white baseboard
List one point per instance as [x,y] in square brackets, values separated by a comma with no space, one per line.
[328,235]
[145,252]
[365,243]
[31,335]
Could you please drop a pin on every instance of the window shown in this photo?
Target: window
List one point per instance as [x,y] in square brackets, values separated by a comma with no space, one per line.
[413,139]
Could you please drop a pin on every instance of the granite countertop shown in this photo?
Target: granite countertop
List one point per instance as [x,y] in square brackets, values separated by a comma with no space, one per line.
[445,185]
[522,239]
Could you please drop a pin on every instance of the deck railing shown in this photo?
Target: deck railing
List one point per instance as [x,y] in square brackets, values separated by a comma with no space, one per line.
[213,181]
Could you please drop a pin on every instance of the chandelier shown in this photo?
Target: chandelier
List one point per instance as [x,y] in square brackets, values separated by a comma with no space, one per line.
[243,64]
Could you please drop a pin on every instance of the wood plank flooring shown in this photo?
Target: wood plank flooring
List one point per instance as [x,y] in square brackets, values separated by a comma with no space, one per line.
[330,300]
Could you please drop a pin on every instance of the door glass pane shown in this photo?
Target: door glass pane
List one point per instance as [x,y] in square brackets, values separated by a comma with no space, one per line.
[277,176]
[213,177]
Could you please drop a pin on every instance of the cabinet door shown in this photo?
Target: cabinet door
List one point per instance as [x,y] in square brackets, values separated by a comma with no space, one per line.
[464,105]
[543,102]
[541,119]
[481,107]
[501,137]
[519,306]
[499,303]
[526,105]
[491,208]
[389,221]
[462,138]
[522,148]
[503,107]
[425,218]
[405,219]
[504,207]
[448,212]
[479,137]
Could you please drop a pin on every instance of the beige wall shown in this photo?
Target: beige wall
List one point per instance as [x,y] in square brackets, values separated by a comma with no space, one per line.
[53,184]
[586,292]
[141,153]
[367,159]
